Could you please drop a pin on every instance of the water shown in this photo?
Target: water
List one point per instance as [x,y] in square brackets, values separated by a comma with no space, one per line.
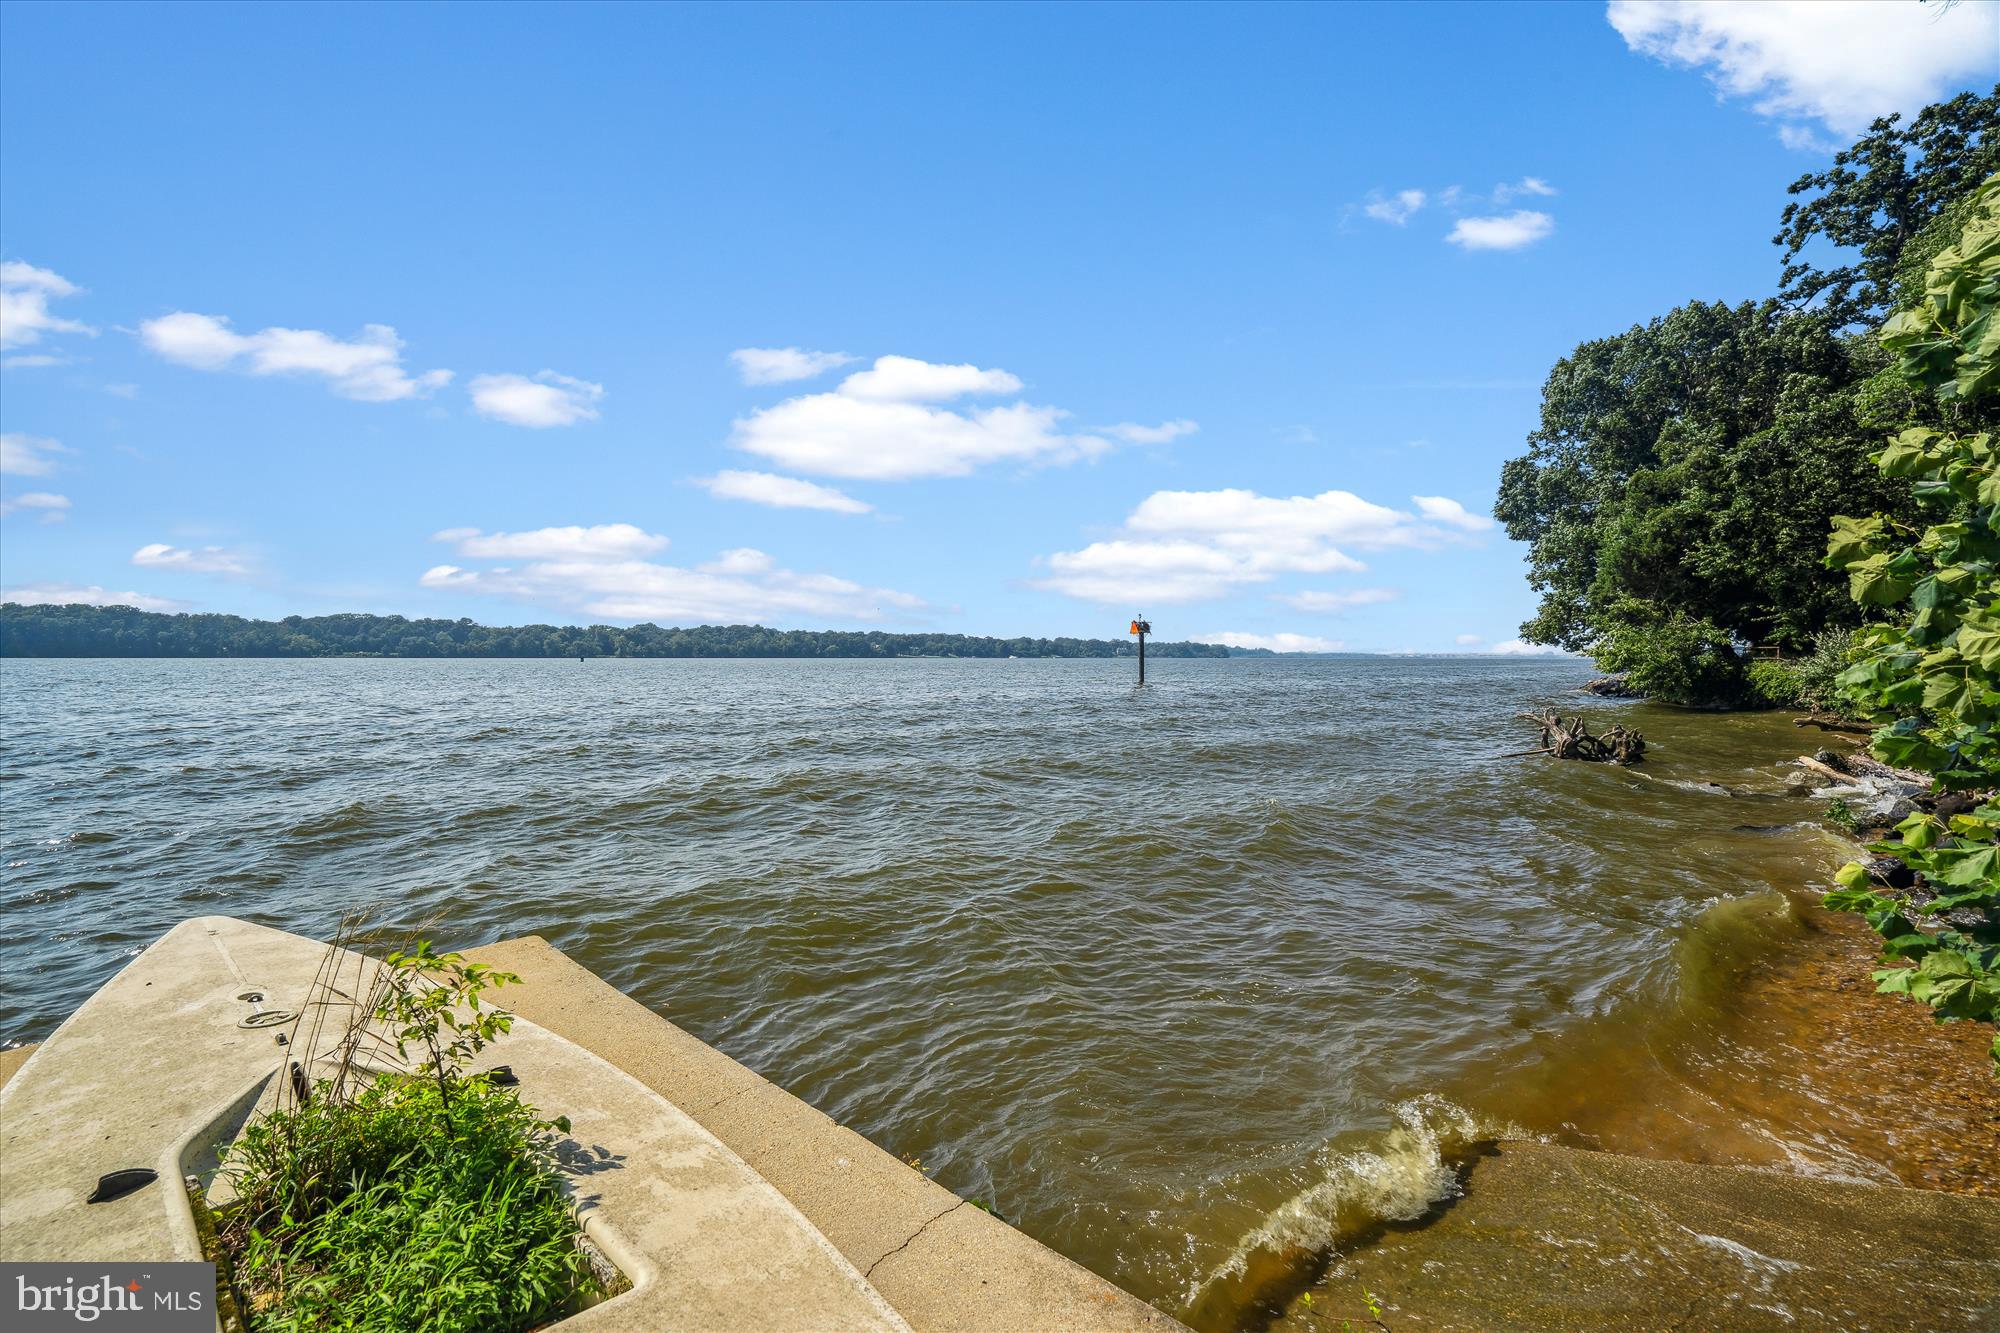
[1186,982]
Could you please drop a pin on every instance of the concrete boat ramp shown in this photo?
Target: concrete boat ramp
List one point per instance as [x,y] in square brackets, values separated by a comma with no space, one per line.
[169,1059]
[731,1205]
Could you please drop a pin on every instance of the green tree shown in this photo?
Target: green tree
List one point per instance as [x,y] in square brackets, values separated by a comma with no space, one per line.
[1878,197]
[1932,676]
[1676,491]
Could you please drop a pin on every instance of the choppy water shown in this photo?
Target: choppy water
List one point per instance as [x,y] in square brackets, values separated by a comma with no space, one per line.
[1173,978]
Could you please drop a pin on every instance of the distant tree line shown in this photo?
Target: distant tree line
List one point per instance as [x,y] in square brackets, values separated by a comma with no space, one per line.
[77,630]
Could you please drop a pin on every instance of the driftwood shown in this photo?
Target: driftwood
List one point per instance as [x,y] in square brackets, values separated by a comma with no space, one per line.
[1824,770]
[1571,739]
[1834,724]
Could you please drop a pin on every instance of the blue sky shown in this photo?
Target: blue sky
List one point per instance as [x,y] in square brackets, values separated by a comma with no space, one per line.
[1000,320]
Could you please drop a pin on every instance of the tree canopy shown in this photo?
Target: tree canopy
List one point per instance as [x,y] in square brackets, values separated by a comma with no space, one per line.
[1877,198]
[1676,492]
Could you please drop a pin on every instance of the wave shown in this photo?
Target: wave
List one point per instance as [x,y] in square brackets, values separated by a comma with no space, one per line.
[1410,1170]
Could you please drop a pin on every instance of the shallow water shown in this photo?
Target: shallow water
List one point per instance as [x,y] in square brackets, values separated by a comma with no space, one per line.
[1158,974]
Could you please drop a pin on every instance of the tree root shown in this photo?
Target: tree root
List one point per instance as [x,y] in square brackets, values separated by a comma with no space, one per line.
[1571,739]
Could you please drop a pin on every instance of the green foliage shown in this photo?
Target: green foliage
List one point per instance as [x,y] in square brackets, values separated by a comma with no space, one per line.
[1673,657]
[431,1200]
[1878,197]
[77,630]
[431,1001]
[1841,817]
[1818,672]
[399,1211]
[1932,677]
[1774,684]
[1683,471]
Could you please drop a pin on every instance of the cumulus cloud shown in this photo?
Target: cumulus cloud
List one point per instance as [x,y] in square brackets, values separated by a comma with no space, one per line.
[52,507]
[28,455]
[1842,65]
[1395,209]
[768,488]
[782,365]
[1526,185]
[885,424]
[546,400]
[1164,433]
[68,594]
[193,560]
[1333,603]
[1509,231]
[603,541]
[367,367]
[1438,509]
[603,577]
[1277,643]
[904,379]
[25,293]
[1183,546]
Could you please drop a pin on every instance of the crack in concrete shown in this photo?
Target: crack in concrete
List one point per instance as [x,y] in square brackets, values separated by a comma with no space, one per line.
[912,1239]
[723,1100]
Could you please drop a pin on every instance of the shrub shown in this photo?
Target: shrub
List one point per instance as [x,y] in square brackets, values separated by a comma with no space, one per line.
[1775,684]
[1818,673]
[423,1200]
[399,1211]
[1673,657]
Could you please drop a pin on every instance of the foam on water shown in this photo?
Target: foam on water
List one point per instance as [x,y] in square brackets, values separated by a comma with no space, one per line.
[1402,1175]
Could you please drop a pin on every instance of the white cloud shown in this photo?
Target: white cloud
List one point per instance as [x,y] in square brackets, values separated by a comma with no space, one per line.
[65,594]
[546,400]
[28,455]
[52,507]
[1510,231]
[1164,433]
[1842,65]
[904,379]
[781,365]
[1438,509]
[1801,138]
[1526,185]
[1397,209]
[768,488]
[604,541]
[1182,546]
[1333,603]
[1518,648]
[738,585]
[25,293]
[368,368]
[1468,640]
[880,425]
[1277,643]
[201,560]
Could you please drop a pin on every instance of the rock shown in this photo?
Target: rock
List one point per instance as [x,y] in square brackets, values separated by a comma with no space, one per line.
[1610,687]
[1836,762]
[1891,872]
[1953,803]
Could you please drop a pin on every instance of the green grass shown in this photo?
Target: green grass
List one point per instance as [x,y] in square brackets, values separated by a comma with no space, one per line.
[409,1207]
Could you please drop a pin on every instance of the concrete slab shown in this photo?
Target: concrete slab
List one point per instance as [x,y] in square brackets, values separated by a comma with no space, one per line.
[1554,1239]
[940,1262]
[154,1068]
